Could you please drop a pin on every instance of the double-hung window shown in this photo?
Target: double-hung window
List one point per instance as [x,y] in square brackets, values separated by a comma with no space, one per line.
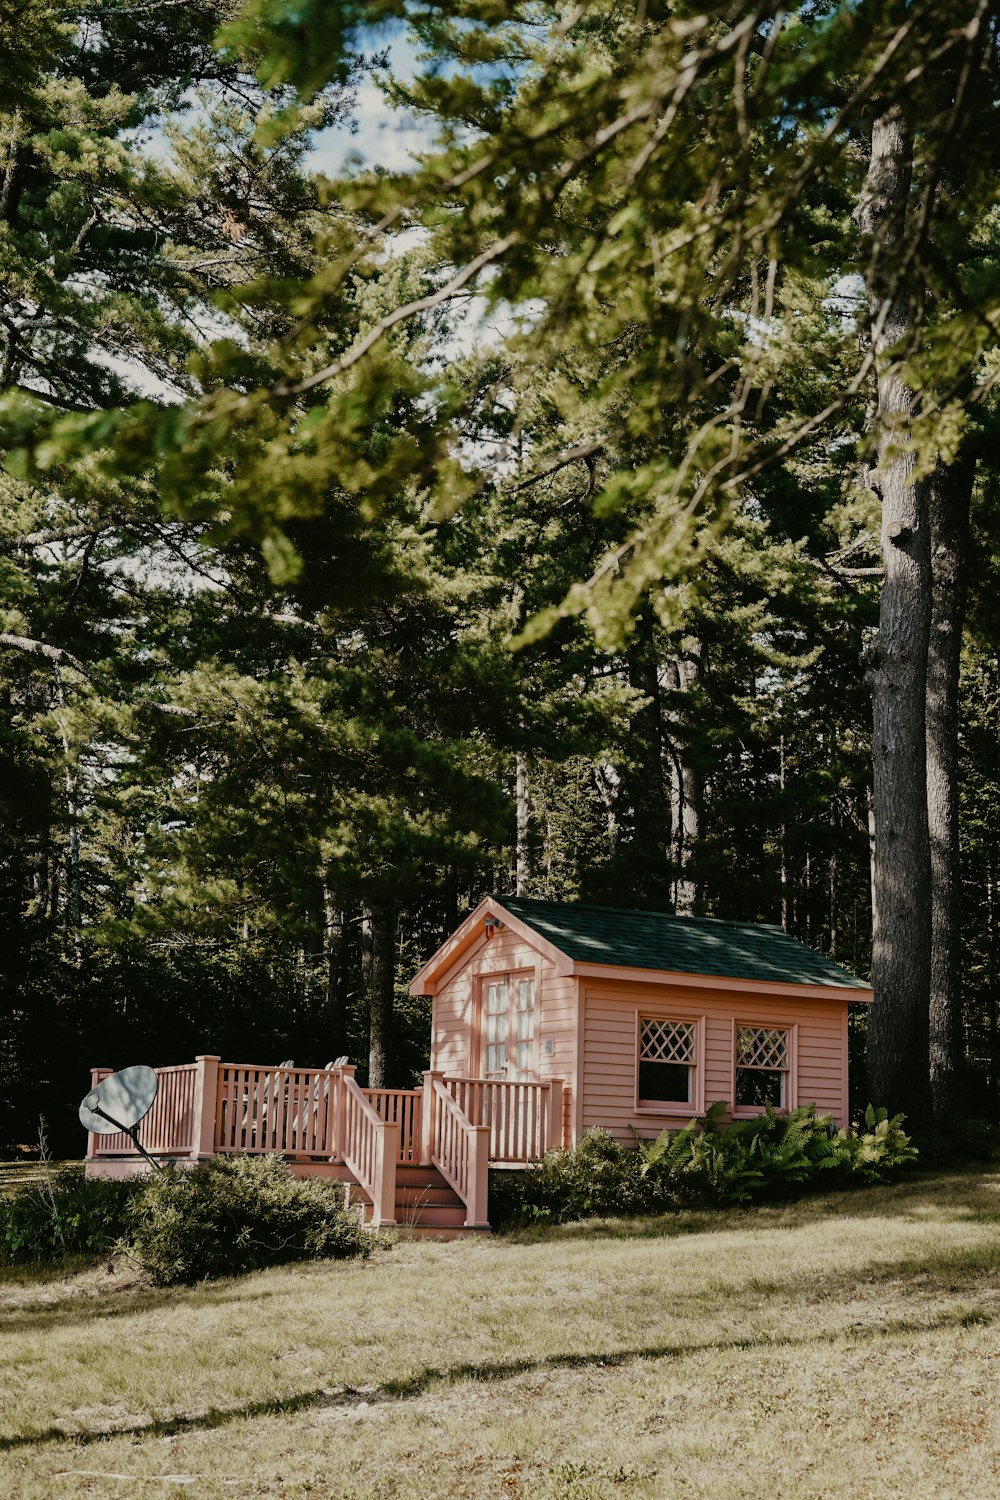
[763,1067]
[667,1064]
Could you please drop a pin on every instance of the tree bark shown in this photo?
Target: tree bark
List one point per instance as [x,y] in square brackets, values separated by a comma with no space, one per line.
[898,1033]
[382,982]
[337,932]
[645,787]
[685,670]
[522,871]
[949,495]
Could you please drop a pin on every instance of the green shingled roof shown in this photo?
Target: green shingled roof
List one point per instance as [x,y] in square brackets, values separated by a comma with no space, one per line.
[681,945]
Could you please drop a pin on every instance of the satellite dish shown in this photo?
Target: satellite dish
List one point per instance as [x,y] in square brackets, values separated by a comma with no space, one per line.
[123,1100]
[119,1102]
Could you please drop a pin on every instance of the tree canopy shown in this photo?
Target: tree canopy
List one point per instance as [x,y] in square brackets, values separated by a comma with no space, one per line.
[546,515]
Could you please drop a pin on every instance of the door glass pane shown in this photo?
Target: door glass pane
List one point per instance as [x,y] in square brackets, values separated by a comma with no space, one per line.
[495,1029]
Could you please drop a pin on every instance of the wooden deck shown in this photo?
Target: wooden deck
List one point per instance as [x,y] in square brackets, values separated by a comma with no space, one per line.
[413,1156]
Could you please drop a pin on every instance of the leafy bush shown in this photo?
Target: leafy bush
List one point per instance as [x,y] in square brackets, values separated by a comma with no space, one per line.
[65,1214]
[771,1156]
[596,1179]
[878,1151]
[234,1214]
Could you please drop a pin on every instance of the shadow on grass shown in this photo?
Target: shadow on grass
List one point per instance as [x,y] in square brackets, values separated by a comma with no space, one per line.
[419,1384]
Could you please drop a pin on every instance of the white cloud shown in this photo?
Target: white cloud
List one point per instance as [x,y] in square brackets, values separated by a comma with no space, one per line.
[385,137]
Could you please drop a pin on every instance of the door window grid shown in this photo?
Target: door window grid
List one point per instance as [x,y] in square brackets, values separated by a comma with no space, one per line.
[507,1055]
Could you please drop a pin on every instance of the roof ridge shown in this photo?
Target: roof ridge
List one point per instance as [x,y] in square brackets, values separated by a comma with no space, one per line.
[643,911]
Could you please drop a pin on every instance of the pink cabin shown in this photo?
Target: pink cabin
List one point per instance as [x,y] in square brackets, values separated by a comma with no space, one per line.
[548,1019]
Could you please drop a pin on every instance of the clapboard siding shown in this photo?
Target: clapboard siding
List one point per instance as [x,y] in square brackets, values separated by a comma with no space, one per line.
[609,1048]
[455,1024]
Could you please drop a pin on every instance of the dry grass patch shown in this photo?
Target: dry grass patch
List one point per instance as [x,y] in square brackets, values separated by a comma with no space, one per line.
[842,1347]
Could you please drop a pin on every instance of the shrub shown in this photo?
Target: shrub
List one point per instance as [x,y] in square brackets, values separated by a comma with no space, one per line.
[598,1178]
[234,1214]
[877,1152]
[65,1214]
[771,1156]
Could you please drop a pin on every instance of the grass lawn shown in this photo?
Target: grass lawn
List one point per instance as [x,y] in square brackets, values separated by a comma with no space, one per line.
[844,1347]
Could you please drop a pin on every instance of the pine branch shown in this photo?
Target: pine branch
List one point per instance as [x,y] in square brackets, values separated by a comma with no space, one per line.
[398,315]
[54,654]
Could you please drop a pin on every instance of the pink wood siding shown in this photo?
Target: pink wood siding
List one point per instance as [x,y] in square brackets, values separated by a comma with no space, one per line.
[609,1049]
[455,1023]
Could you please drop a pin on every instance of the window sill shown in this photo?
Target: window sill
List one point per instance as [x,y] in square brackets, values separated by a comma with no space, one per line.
[689,1111]
[754,1111]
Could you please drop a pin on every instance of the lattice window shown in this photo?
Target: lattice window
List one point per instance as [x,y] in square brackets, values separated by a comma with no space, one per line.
[761,1067]
[761,1047]
[667,1056]
[666,1041]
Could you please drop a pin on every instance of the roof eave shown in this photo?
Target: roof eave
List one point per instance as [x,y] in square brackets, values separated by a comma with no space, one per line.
[864,994]
[470,934]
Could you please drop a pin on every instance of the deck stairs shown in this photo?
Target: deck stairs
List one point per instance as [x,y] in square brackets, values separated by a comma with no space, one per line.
[426,1207]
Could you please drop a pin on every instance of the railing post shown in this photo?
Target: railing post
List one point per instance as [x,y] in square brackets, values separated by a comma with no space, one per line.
[386,1151]
[347,1070]
[554,1124]
[206,1103]
[477,1208]
[427,1142]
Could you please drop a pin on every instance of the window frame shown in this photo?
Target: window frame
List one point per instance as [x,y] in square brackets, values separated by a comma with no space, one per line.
[791,1069]
[688,1108]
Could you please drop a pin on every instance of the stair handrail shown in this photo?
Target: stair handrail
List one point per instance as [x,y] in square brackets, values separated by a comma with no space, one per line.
[368,1148]
[460,1151]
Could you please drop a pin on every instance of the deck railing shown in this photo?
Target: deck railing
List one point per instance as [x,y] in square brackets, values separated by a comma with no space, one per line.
[172,1125]
[321,1115]
[524,1119]
[459,1150]
[289,1110]
[402,1107]
[369,1149]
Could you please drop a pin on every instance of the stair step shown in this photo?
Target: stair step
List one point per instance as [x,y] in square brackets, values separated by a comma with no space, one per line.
[438,1197]
[433,1213]
[425,1204]
[458,1232]
[418,1177]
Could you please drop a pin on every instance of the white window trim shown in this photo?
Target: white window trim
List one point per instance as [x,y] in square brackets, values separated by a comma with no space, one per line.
[688,1108]
[752,1111]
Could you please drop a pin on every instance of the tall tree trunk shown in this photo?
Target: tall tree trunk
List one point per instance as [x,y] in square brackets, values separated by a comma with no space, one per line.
[522,872]
[685,671]
[782,835]
[645,788]
[991,986]
[949,496]
[337,925]
[73,911]
[382,982]
[896,662]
